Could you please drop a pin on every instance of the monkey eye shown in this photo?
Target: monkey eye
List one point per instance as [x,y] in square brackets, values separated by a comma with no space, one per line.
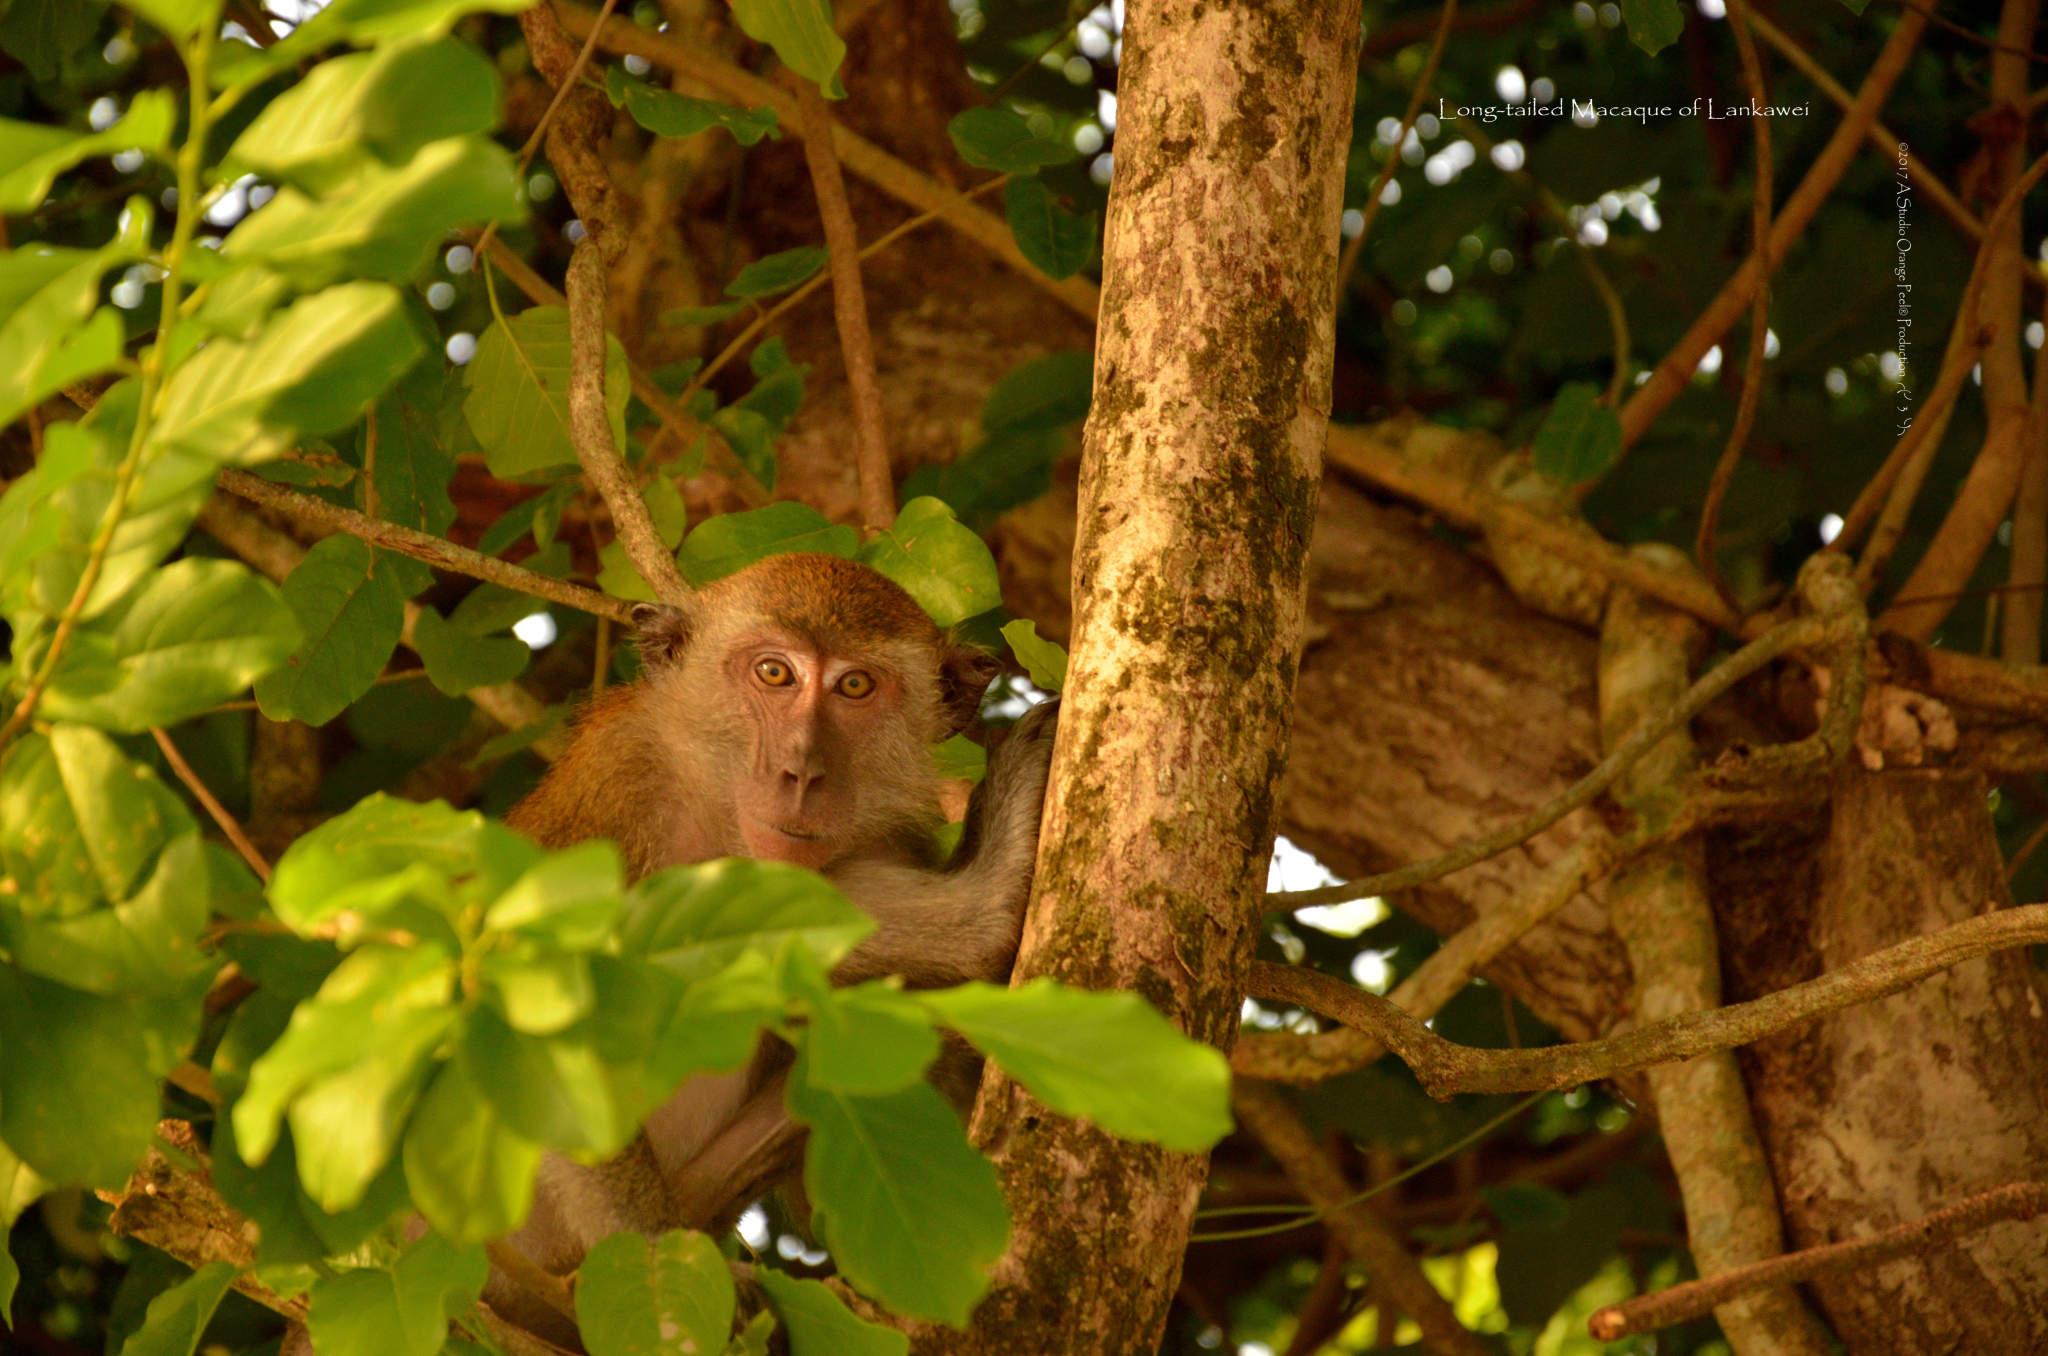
[856,685]
[774,673]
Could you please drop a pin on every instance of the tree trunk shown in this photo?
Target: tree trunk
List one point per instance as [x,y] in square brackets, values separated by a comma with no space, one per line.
[1879,1114]
[1198,489]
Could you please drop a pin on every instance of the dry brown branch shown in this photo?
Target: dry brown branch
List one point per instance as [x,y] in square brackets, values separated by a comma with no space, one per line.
[1910,456]
[591,426]
[1446,1069]
[1965,679]
[850,309]
[580,127]
[1347,264]
[1671,376]
[2020,636]
[1882,139]
[1392,36]
[856,153]
[206,798]
[435,551]
[1760,308]
[1355,1225]
[2014,1201]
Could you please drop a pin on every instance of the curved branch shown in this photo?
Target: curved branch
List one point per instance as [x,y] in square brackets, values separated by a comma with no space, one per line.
[1348,263]
[1446,1068]
[435,551]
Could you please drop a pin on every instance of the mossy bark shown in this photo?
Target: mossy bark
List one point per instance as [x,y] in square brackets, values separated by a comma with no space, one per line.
[1198,488]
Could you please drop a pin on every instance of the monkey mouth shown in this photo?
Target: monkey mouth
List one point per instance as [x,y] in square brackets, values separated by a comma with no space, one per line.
[801,835]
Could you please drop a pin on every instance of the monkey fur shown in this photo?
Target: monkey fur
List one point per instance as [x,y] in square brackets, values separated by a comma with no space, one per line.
[786,714]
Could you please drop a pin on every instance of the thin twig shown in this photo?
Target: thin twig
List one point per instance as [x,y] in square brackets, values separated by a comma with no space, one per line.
[2020,634]
[590,423]
[850,309]
[1929,422]
[1010,81]
[205,797]
[1760,309]
[550,1289]
[1617,320]
[1446,1069]
[1348,264]
[2026,850]
[1693,1299]
[435,551]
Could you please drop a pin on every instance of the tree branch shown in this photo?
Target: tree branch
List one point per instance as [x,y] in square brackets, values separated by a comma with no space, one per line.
[850,309]
[590,425]
[2014,1201]
[1446,1069]
[1347,264]
[435,551]
[206,798]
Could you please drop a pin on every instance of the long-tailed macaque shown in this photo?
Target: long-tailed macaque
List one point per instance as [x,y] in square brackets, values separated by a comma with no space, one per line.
[786,714]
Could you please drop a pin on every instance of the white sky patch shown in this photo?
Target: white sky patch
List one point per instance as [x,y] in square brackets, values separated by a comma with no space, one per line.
[537,630]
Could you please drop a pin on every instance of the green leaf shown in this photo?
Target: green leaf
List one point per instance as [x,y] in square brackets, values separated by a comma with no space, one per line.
[997,139]
[753,1339]
[1107,1056]
[1655,24]
[410,471]
[666,1296]
[512,741]
[539,995]
[868,1040]
[1045,393]
[34,155]
[400,1312]
[146,944]
[751,436]
[1060,243]
[553,1091]
[730,542]
[80,823]
[801,33]
[177,1318]
[518,403]
[470,1175]
[44,34]
[381,223]
[78,1089]
[311,370]
[458,661]
[349,863]
[911,1213]
[1045,660]
[960,757]
[362,22]
[1527,1205]
[46,339]
[775,273]
[20,1187]
[667,114]
[1579,439]
[703,315]
[350,610]
[380,1001]
[1004,470]
[195,634]
[938,561]
[694,921]
[820,1324]
[569,899]
[291,1229]
[384,105]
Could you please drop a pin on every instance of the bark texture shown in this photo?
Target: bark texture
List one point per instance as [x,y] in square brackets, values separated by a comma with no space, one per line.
[1198,489]
[1883,1113]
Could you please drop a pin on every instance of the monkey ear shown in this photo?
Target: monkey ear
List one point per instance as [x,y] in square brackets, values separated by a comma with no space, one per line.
[662,633]
[965,672]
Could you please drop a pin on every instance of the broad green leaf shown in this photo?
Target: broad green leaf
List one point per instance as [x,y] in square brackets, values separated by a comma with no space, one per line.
[960,757]
[385,105]
[819,1324]
[362,22]
[1006,469]
[1580,438]
[146,944]
[667,114]
[911,1213]
[1045,393]
[938,561]
[1045,660]
[77,808]
[730,542]
[44,34]
[617,576]
[410,472]
[665,1296]
[31,160]
[703,315]
[374,999]
[196,633]
[1060,243]
[569,899]
[293,1230]
[382,222]
[780,390]
[751,436]
[51,335]
[350,609]
[20,1187]
[518,402]
[753,1339]
[458,661]
[178,1317]
[470,1175]
[801,33]
[78,1089]
[1654,25]
[403,1311]
[868,1040]
[1000,140]
[1527,1205]
[774,273]
[665,507]
[490,608]
[346,1126]
[554,1091]
[345,863]
[693,921]
[1107,1056]
[539,995]
[312,369]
